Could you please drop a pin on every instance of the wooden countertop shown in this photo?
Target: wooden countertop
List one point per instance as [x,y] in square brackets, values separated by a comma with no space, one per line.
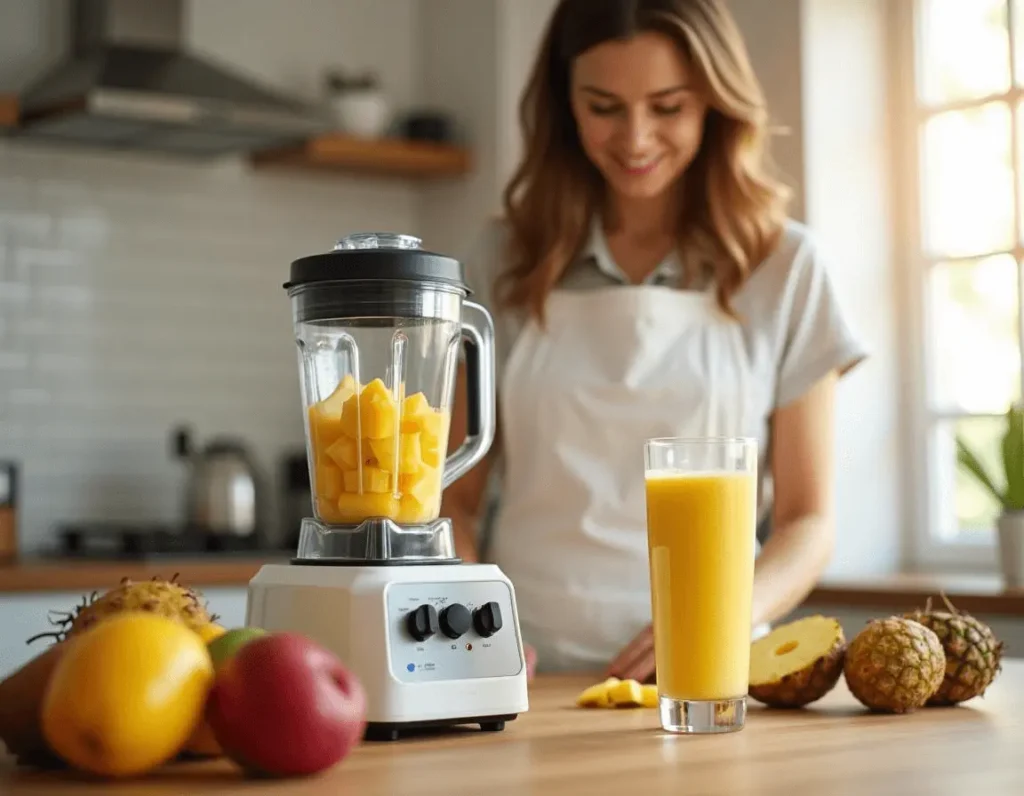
[983,595]
[835,747]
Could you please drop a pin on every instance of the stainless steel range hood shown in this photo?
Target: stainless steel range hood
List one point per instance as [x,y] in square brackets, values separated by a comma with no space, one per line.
[128,82]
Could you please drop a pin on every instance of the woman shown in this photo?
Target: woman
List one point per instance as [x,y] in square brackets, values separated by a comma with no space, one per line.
[646,282]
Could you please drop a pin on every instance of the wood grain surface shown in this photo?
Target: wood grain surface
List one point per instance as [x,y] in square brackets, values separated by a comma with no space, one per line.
[833,748]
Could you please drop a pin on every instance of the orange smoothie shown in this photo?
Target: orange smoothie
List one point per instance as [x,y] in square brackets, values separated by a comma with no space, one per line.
[701,537]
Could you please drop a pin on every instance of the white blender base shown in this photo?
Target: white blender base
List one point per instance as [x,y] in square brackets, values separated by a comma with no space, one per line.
[361,613]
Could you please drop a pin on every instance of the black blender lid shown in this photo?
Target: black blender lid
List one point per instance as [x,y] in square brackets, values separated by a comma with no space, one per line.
[375,256]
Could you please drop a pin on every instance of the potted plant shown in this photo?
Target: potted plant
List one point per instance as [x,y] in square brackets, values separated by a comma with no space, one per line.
[1010,522]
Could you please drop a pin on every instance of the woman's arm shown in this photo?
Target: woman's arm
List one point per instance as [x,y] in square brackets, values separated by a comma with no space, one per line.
[461,501]
[803,534]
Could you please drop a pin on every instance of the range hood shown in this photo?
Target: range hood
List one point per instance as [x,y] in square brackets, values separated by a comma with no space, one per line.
[127,82]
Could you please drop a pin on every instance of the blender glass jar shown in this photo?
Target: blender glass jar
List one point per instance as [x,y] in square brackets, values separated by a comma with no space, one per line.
[379,324]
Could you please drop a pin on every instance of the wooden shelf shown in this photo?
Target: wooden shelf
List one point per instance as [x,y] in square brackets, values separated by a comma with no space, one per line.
[387,157]
[8,110]
[983,595]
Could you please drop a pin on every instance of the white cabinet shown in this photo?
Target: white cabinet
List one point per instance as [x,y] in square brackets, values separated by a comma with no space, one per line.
[24,615]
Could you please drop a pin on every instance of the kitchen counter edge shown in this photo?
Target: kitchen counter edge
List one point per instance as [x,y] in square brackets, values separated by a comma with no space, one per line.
[980,594]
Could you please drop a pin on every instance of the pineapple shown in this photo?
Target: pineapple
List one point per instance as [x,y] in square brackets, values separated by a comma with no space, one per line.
[894,665]
[973,653]
[797,663]
[165,597]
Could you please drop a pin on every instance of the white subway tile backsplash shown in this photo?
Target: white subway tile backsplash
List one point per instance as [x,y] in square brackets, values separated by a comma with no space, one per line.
[139,293]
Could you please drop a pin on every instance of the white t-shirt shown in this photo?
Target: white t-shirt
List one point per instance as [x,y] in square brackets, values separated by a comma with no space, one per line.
[794,325]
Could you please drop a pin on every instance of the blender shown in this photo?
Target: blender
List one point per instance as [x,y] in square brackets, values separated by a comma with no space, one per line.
[380,323]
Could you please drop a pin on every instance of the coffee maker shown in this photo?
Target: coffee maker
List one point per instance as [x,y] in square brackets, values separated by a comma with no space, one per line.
[380,323]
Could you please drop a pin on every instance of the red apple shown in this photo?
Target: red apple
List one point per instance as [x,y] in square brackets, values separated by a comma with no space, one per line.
[285,706]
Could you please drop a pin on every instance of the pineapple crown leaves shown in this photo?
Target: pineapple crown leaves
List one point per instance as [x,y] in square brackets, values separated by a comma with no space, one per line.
[1011,498]
[63,620]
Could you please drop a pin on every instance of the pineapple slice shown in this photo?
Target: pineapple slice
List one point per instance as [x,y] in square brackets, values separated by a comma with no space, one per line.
[798,662]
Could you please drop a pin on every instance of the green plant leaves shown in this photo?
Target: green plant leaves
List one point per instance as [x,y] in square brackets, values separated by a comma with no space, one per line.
[965,456]
[1013,458]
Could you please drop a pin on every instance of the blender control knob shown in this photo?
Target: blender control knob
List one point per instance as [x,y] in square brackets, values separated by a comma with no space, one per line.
[422,623]
[455,620]
[487,619]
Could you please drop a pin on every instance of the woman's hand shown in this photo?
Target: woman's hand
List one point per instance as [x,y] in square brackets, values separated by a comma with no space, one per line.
[531,661]
[636,661]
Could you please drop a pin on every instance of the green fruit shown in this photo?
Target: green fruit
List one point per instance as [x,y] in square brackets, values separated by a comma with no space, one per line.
[225,646]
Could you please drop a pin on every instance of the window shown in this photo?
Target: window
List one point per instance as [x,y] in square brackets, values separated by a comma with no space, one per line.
[963,153]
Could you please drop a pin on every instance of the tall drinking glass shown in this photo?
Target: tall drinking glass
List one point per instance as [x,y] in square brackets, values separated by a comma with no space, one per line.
[701,518]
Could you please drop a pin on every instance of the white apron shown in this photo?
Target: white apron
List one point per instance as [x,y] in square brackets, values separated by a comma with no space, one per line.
[615,366]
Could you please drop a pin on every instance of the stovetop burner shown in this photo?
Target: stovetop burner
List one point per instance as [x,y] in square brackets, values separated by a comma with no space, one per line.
[141,540]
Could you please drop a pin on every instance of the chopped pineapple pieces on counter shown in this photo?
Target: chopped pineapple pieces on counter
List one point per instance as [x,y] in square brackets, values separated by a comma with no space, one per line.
[615,693]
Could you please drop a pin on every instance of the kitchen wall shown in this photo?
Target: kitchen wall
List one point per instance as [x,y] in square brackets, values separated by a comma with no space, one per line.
[103,257]
[136,293]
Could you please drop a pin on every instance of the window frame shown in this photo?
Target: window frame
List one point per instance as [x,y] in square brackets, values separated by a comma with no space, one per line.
[924,548]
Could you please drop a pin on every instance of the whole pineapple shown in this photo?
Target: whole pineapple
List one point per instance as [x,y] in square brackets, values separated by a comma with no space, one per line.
[164,597]
[973,653]
[894,665]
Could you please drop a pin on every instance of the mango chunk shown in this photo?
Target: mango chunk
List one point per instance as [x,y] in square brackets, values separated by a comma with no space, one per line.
[353,508]
[375,480]
[398,444]
[596,696]
[615,693]
[627,694]
[329,480]
[423,485]
[408,458]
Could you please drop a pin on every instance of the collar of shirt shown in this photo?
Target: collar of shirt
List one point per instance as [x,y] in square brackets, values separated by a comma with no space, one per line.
[596,249]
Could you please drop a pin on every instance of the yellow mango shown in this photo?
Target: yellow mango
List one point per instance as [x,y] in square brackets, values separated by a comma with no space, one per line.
[345,452]
[328,481]
[626,694]
[423,486]
[128,696]
[411,511]
[597,696]
[431,451]
[410,459]
[370,415]
[329,512]
[649,696]
[413,409]
[325,415]
[419,415]
[375,480]
[354,508]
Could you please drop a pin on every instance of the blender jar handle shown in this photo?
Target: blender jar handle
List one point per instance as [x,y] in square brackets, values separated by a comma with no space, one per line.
[478,341]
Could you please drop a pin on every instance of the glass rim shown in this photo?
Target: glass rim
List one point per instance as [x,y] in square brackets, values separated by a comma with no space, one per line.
[671,441]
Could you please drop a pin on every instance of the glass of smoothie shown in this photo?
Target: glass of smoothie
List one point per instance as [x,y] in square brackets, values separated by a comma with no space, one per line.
[701,530]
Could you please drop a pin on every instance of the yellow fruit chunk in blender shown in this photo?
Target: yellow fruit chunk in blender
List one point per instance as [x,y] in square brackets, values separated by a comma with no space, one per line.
[377,456]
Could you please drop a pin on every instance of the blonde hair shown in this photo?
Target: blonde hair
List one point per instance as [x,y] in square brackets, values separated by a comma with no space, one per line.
[734,210]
